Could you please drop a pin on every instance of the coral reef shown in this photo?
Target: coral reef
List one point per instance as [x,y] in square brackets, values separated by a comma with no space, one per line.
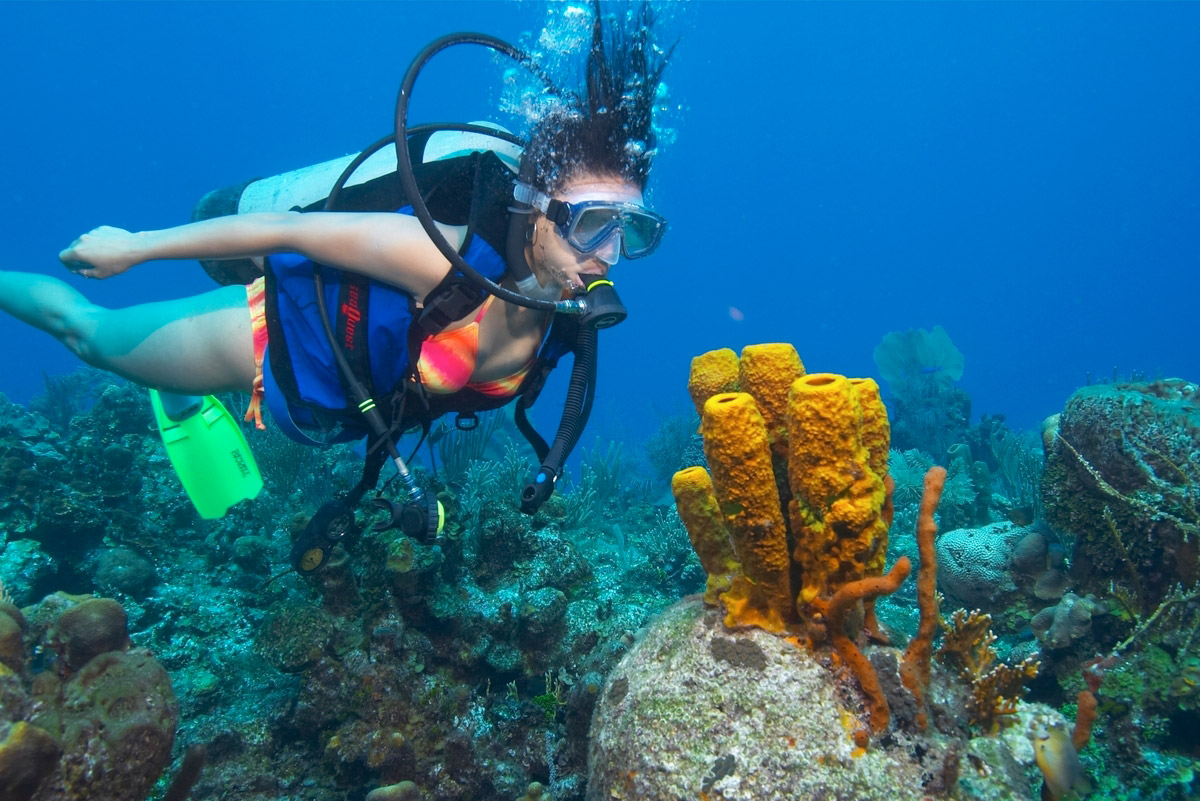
[472,666]
[1124,454]
[467,667]
[678,719]
[98,723]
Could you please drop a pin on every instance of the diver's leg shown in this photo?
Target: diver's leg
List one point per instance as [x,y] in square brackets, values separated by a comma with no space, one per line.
[195,345]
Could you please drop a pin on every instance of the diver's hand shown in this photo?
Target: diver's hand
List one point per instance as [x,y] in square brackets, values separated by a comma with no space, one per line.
[102,252]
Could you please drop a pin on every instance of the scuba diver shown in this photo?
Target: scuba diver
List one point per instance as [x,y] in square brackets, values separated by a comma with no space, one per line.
[450,284]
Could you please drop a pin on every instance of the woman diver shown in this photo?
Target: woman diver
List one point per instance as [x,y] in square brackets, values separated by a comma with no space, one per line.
[575,208]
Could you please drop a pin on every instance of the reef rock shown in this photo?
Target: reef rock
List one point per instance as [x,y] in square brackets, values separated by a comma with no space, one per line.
[1061,625]
[695,710]
[101,726]
[1128,449]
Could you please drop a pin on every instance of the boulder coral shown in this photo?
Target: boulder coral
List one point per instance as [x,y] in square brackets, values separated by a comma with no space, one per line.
[974,564]
[696,711]
[101,726]
[1121,479]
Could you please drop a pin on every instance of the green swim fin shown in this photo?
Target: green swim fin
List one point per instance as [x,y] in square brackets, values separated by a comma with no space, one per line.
[208,451]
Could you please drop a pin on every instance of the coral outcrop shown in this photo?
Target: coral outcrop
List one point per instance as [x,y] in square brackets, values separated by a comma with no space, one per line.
[1068,621]
[796,515]
[1121,478]
[682,717]
[98,724]
[975,564]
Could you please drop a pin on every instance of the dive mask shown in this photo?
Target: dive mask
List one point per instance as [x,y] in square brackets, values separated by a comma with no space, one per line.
[588,224]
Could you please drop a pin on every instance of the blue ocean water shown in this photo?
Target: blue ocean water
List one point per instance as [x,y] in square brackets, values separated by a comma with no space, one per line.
[1022,174]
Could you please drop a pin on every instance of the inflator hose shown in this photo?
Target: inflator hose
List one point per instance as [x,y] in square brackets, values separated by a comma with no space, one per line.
[576,408]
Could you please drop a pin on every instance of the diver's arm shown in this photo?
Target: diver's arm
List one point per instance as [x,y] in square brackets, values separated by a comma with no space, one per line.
[388,247]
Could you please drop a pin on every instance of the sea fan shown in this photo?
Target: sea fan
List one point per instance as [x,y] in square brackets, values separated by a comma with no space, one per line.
[906,356]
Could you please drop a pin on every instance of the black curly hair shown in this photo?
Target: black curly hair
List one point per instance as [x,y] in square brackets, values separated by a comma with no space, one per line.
[607,129]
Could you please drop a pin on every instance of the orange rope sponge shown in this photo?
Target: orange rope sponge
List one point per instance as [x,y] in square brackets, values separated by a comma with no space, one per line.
[915,667]
[1085,716]
[844,599]
[739,456]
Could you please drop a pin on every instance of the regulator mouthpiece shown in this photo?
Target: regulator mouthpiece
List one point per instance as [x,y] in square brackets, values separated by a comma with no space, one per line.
[602,307]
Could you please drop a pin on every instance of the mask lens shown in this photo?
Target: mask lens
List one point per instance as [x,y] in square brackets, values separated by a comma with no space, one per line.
[642,234]
[592,226]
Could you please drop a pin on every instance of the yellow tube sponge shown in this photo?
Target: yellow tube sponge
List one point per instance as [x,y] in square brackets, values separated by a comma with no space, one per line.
[712,372]
[701,514]
[875,432]
[767,372]
[836,511]
[739,456]
[824,416]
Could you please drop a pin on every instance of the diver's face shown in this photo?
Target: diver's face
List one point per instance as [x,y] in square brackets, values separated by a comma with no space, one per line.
[554,260]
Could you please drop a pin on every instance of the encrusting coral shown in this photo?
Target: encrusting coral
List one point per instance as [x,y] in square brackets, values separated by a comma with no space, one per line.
[794,518]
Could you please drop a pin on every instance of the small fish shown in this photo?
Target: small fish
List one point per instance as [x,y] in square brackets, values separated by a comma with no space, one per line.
[1058,759]
[1187,682]
[931,369]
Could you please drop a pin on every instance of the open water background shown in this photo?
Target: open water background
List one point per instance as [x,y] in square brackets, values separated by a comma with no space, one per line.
[1024,174]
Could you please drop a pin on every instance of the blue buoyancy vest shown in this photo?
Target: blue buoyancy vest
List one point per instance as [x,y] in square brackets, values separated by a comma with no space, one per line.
[300,375]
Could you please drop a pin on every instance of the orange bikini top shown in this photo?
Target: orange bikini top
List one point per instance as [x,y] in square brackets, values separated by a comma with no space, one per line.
[448,359]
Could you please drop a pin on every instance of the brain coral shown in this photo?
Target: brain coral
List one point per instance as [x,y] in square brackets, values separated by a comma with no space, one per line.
[973,563]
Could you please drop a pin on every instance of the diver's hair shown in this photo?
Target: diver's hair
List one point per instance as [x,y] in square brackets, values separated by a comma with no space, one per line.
[607,130]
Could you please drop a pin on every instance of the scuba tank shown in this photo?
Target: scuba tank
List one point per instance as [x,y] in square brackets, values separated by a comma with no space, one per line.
[309,187]
[364,175]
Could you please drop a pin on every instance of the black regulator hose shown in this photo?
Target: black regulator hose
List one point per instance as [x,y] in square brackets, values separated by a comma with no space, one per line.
[576,408]
[404,165]
[356,390]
